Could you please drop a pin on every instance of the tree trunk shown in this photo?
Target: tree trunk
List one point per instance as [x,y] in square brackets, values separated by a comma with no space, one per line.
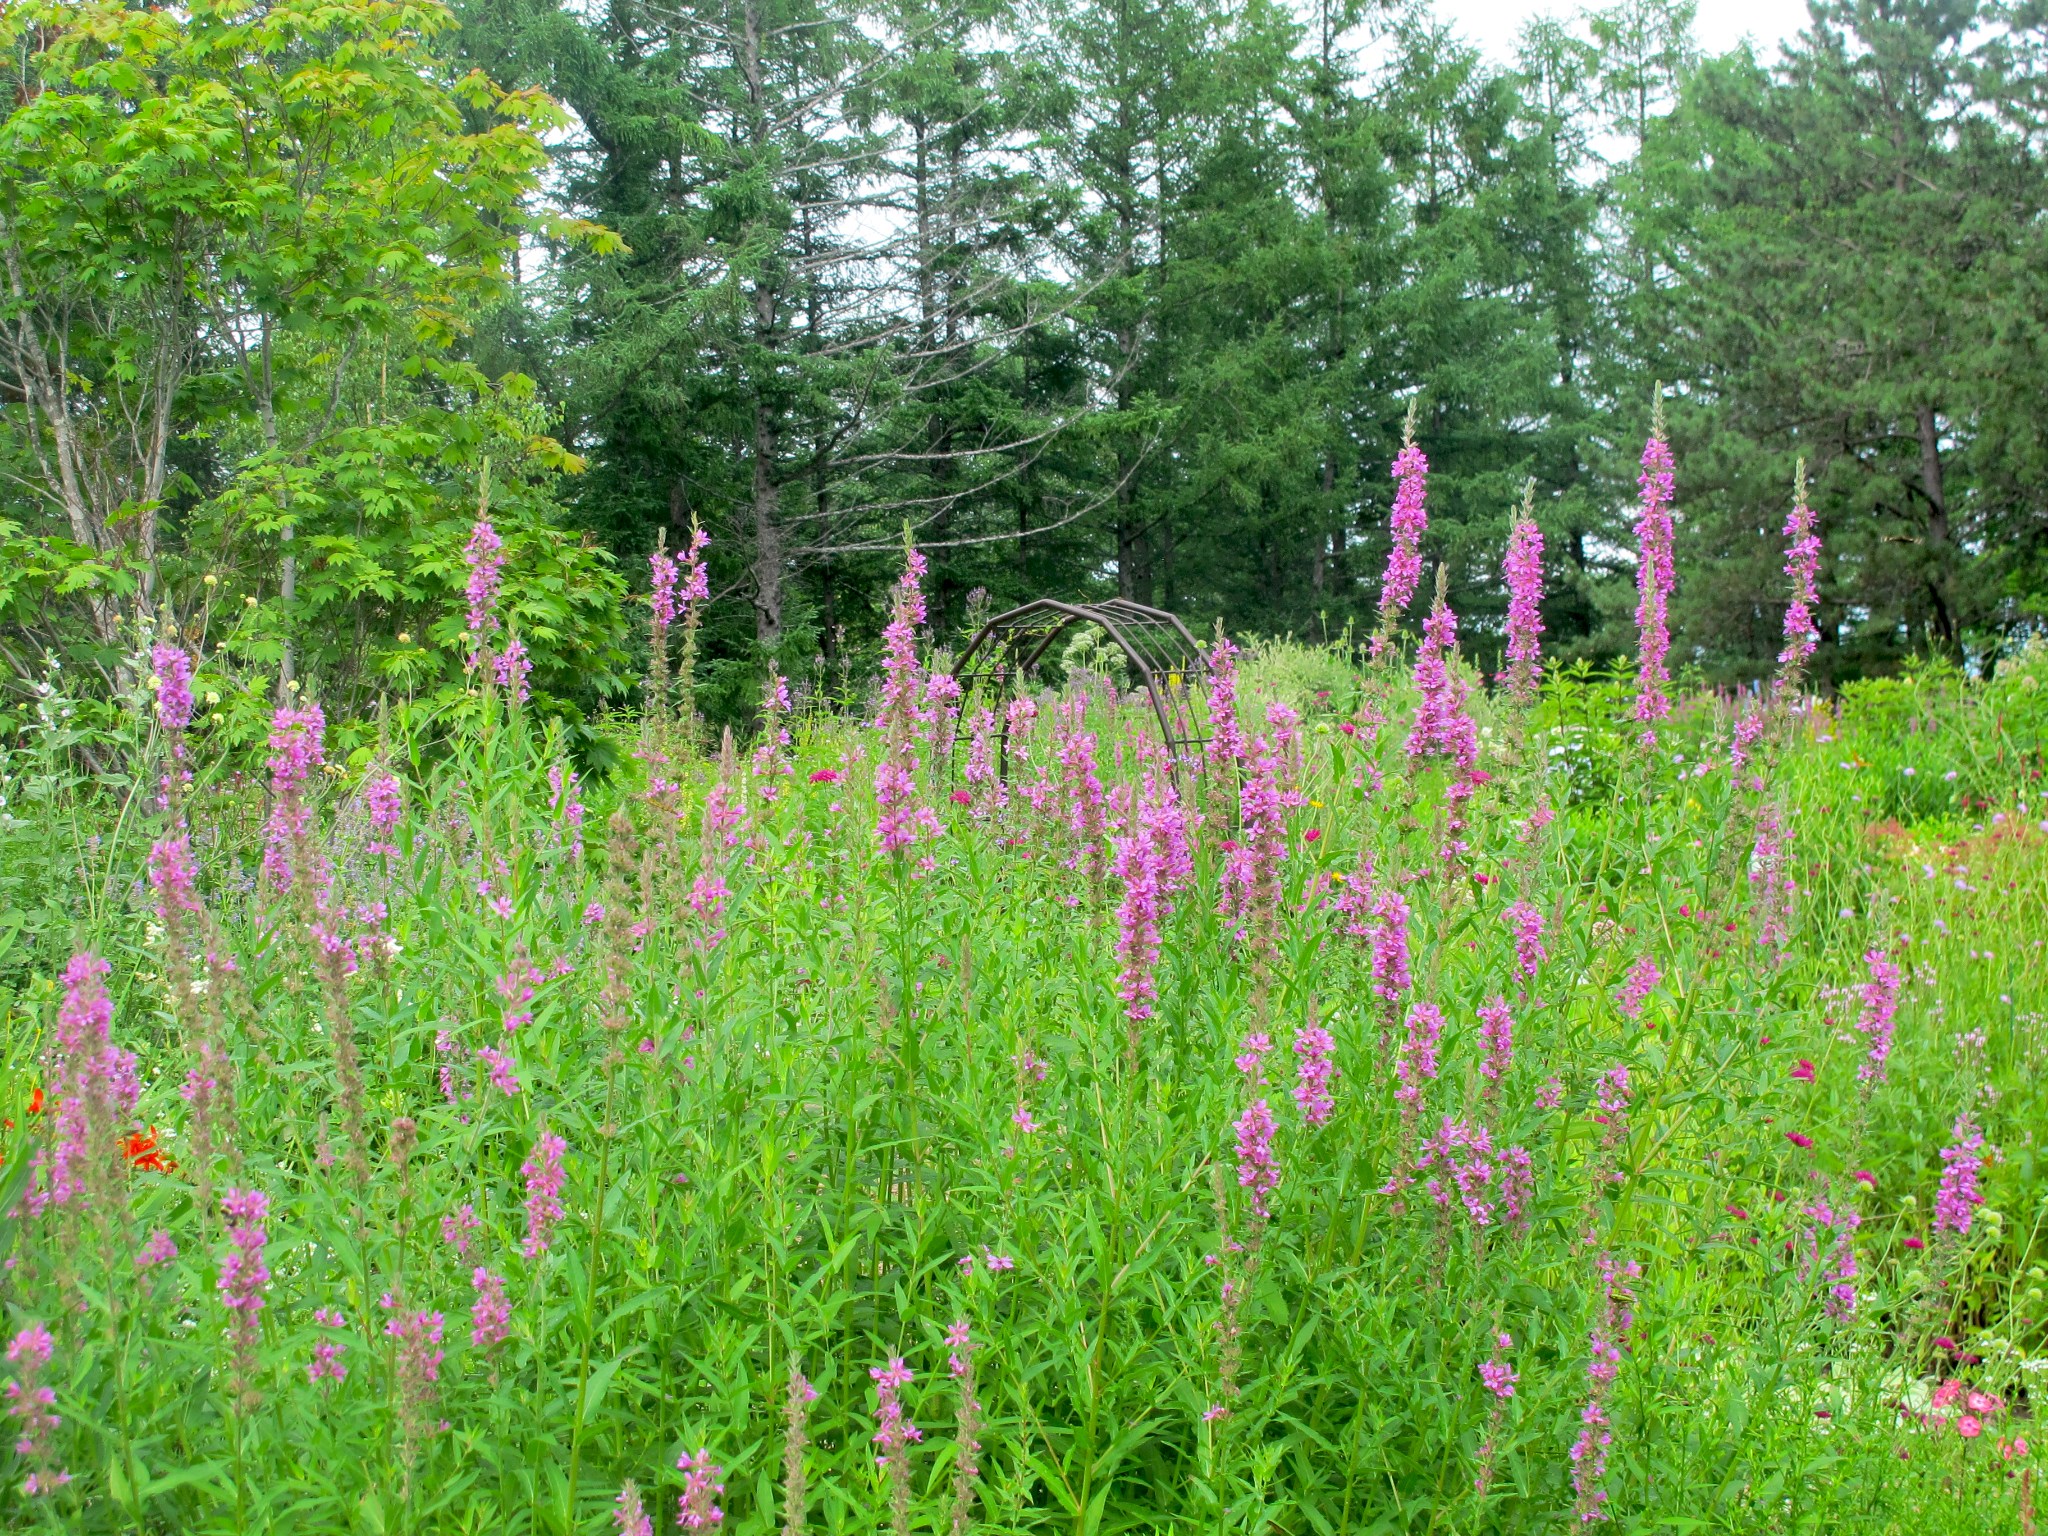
[1937,527]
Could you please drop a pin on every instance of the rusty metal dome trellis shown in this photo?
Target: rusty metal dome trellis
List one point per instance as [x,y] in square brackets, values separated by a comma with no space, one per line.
[1162,654]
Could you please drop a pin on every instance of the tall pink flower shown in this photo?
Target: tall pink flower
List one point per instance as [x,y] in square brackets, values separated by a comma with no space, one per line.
[384,804]
[1802,564]
[1315,1047]
[490,1316]
[1410,521]
[1463,1152]
[93,1085]
[544,1177]
[1956,1201]
[1497,1036]
[697,1509]
[511,667]
[1527,923]
[1417,1064]
[1643,977]
[1768,878]
[661,592]
[297,746]
[1136,864]
[1257,1168]
[1226,737]
[485,557]
[1499,1376]
[1523,569]
[1880,1010]
[771,760]
[31,1403]
[895,1434]
[417,1357]
[1442,727]
[960,1347]
[1654,577]
[1251,869]
[173,670]
[1839,1269]
[244,1277]
[1081,784]
[900,819]
[629,1514]
[1390,945]
[1609,1334]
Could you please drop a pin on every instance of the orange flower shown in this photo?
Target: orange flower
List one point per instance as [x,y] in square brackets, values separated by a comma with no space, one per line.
[35,1107]
[144,1153]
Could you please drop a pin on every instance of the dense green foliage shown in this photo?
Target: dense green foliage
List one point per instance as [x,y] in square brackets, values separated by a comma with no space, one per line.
[807,1087]
[1099,297]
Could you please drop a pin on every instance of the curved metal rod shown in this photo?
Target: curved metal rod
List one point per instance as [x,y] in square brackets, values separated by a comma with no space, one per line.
[1144,635]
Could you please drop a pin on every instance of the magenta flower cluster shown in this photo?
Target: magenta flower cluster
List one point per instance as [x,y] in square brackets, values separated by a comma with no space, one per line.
[1523,570]
[1655,575]
[1404,560]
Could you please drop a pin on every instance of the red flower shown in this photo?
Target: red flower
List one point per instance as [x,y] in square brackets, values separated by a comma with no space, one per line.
[1914,1242]
[1348,728]
[144,1153]
[1804,1071]
[1312,834]
[35,1100]
[1865,1176]
[1797,1140]
[961,797]
[1738,1213]
[825,776]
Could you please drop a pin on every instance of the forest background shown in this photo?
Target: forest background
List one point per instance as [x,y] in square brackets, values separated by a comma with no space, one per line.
[1095,295]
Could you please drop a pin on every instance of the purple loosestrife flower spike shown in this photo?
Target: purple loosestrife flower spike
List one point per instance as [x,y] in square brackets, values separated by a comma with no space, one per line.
[1442,728]
[899,819]
[1417,1063]
[629,1514]
[544,1179]
[244,1277]
[1226,737]
[484,555]
[1774,888]
[1251,891]
[1956,1201]
[31,1404]
[663,569]
[297,746]
[1642,978]
[1135,862]
[94,1085]
[1802,564]
[1497,1035]
[1654,578]
[1527,924]
[384,804]
[1523,568]
[1410,521]
[1499,1376]
[1312,1077]
[1257,1169]
[173,669]
[895,1435]
[1390,945]
[1880,1010]
[490,1315]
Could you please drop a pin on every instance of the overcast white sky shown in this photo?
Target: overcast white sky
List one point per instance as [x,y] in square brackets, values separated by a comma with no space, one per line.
[1722,24]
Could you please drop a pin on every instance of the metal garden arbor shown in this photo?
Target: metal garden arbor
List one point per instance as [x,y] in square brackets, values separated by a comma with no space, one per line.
[1162,654]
